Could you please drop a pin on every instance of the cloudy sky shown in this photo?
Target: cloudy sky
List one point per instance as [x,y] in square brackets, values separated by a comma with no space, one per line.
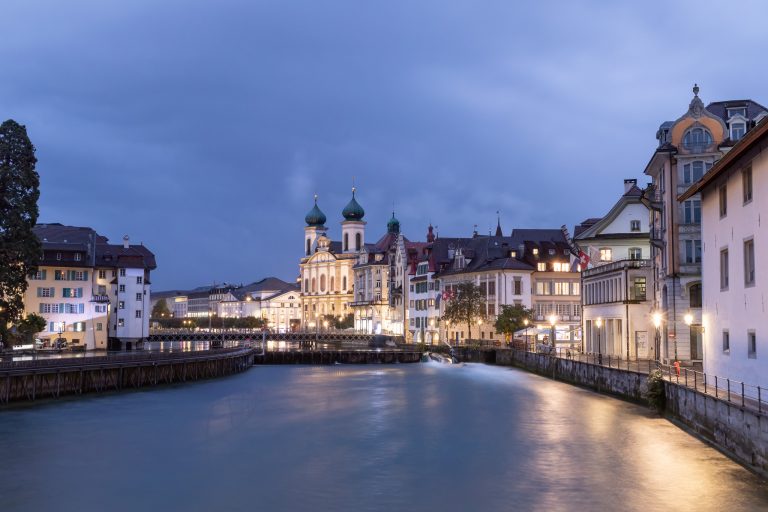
[203,128]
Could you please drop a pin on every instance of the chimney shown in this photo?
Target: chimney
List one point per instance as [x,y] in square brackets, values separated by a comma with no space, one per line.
[126,238]
[628,184]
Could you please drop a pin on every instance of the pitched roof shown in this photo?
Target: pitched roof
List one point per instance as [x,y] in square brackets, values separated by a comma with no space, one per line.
[719,108]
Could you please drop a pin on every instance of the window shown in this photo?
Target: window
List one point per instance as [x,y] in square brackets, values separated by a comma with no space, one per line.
[120,322]
[306,285]
[751,344]
[746,184]
[535,251]
[58,256]
[322,282]
[543,288]
[638,288]
[40,275]
[551,252]
[78,256]
[99,326]
[45,292]
[358,241]
[562,267]
[575,288]
[692,211]
[138,313]
[121,288]
[606,254]
[121,305]
[723,191]
[749,262]
[541,267]
[737,131]
[102,274]
[139,297]
[346,241]
[344,283]
[518,286]
[634,225]
[693,171]
[122,272]
[693,251]
[697,140]
[724,269]
[694,295]
[309,244]
[635,253]
[738,111]
[561,288]
[139,280]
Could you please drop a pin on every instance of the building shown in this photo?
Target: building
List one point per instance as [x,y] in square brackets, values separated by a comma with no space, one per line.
[617,308]
[734,319]
[687,149]
[326,269]
[377,306]
[272,299]
[93,294]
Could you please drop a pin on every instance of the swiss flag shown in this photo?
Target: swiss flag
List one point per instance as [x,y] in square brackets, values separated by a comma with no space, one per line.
[583,260]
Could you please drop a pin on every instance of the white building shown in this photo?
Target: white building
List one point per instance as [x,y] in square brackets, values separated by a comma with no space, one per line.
[615,292]
[734,197]
[92,294]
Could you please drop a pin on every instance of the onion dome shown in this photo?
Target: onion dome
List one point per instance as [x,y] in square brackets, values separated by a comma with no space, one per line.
[315,218]
[353,210]
[393,226]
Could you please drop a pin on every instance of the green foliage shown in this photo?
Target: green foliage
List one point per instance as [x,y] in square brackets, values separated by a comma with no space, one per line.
[216,322]
[334,322]
[467,306]
[655,394]
[26,328]
[19,192]
[511,319]
[160,310]
[421,347]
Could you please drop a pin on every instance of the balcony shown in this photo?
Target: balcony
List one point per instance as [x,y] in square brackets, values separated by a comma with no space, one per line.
[616,266]
[100,299]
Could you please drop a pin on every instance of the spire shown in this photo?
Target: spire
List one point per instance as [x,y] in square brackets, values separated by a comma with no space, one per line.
[498,224]
[695,89]
[315,217]
[353,210]
[430,234]
[393,226]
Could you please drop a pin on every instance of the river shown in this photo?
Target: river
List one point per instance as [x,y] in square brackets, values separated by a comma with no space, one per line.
[399,437]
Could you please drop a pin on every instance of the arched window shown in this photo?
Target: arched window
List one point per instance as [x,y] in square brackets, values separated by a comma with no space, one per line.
[306,285]
[314,285]
[344,283]
[322,282]
[346,241]
[695,295]
[358,241]
[332,288]
[697,140]
[309,245]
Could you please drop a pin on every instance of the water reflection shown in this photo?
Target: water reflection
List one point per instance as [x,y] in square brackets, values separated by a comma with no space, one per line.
[405,437]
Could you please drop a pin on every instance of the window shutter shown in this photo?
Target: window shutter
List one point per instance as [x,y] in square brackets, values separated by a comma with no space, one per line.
[85,275]
[41,308]
[39,292]
[81,308]
[52,291]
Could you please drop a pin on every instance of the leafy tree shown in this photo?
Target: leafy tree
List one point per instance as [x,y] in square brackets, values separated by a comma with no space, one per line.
[29,326]
[19,247]
[160,310]
[511,319]
[334,322]
[467,306]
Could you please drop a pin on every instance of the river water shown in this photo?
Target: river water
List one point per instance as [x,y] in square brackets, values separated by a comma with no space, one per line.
[400,437]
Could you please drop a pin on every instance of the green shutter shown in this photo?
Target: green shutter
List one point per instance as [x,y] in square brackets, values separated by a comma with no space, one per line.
[43,272]
[85,275]
[53,291]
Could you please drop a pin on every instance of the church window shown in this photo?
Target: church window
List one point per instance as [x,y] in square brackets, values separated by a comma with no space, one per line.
[314,285]
[309,244]
[346,241]
[358,241]
[322,282]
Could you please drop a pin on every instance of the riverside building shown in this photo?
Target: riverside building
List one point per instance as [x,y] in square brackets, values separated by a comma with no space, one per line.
[687,149]
[734,322]
[93,294]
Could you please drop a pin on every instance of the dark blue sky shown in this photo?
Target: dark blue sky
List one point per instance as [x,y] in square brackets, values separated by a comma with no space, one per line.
[204,128]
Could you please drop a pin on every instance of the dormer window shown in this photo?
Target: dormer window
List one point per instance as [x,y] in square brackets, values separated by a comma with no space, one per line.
[634,225]
[78,256]
[551,252]
[513,254]
[541,267]
[738,130]
[535,251]
[58,256]
[697,140]
[739,111]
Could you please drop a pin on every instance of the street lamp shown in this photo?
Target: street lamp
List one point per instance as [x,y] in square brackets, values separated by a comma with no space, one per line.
[599,324]
[525,323]
[688,318]
[657,340]
[552,323]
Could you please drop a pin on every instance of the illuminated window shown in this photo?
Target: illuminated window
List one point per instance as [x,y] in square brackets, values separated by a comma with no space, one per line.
[541,267]
[606,254]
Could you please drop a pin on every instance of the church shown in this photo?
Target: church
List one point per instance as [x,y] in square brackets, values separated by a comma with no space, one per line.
[329,271]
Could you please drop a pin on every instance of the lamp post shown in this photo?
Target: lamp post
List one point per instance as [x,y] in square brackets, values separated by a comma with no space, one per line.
[525,323]
[552,323]
[688,318]
[599,324]
[657,339]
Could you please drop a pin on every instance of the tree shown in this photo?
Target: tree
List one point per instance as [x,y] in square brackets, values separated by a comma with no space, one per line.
[29,326]
[160,310]
[467,306]
[19,247]
[511,319]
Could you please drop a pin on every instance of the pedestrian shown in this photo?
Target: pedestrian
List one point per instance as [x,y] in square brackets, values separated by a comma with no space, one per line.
[677,367]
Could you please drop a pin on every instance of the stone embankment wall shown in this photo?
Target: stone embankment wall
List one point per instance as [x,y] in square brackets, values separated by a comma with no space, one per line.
[740,432]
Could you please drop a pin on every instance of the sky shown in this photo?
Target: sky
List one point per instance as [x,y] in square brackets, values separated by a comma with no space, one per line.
[204,128]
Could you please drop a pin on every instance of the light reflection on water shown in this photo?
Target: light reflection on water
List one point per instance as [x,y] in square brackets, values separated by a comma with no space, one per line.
[402,437]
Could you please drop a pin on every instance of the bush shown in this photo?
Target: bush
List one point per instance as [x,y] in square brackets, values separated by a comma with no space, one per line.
[655,395]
